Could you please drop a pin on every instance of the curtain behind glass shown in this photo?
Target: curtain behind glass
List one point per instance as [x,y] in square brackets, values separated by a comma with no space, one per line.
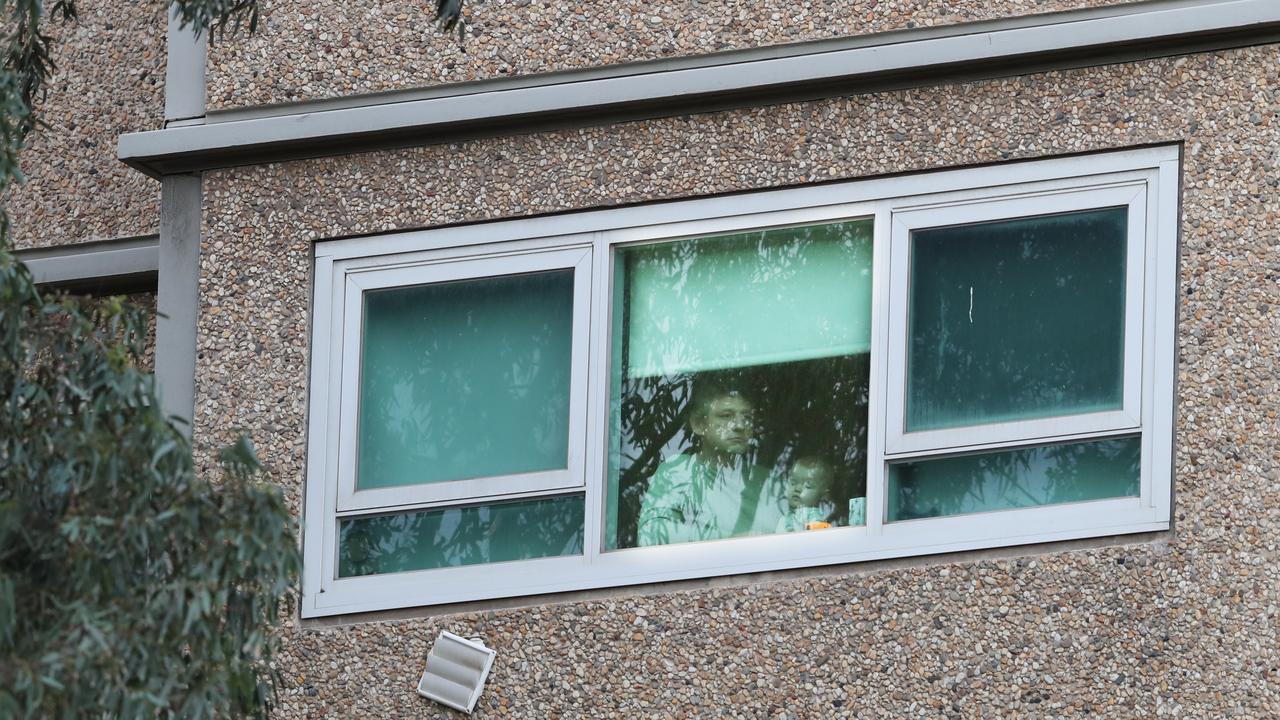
[748,299]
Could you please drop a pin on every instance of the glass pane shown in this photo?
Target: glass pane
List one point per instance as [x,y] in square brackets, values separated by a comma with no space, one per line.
[1016,319]
[1021,478]
[748,299]
[550,527]
[465,379]
[740,380]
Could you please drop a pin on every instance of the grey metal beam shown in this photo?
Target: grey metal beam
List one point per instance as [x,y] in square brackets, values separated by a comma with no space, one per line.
[1161,27]
[177,297]
[98,268]
[178,253]
[184,79]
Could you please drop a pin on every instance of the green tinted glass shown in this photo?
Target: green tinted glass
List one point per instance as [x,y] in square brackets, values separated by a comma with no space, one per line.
[1021,478]
[465,379]
[739,385]
[461,536]
[1016,319]
[748,299]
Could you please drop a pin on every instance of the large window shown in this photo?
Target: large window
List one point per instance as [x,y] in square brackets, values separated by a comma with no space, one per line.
[873,369]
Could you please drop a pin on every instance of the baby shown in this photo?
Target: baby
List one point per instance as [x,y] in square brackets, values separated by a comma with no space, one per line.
[809,496]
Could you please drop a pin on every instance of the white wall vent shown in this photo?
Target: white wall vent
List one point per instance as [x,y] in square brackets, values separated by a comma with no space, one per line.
[456,671]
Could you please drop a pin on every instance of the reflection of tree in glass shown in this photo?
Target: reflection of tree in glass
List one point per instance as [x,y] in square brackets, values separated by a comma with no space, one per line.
[465,379]
[815,407]
[461,536]
[1017,319]
[1026,477]
[810,395]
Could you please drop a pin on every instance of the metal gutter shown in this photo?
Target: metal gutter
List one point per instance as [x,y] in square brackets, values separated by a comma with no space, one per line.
[830,68]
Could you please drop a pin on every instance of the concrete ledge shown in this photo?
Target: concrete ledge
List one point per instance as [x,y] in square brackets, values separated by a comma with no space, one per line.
[917,57]
[97,268]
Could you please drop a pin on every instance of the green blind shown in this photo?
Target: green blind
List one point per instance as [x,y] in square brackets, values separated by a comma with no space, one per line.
[465,379]
[746,299]
[1016,319]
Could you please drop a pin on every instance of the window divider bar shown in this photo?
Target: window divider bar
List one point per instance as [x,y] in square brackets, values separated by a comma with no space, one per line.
[597,433]
[496,499]
[877,393]
[956,451]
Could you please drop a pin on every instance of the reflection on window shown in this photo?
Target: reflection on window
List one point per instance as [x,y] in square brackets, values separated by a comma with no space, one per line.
[461,536]
[1027,477]
[1016,319]
[740,385]
[465,379]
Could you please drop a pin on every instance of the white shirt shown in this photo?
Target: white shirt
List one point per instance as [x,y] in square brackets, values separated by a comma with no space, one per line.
[689,500]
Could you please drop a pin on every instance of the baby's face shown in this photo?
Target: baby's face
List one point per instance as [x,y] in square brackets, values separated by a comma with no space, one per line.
[810,484]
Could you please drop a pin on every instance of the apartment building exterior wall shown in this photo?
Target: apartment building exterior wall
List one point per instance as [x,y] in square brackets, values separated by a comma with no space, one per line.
[315,51]
[108,80]
[1176,623]
[1171,623]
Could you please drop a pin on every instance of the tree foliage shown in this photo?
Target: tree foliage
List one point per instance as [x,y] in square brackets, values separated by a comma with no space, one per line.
[129,587]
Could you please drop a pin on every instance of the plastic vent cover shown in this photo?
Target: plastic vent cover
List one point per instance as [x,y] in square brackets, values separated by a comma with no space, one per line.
[456,671]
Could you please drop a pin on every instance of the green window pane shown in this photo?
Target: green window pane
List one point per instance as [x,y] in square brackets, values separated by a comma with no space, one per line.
[748,299]
[740,369]
[1021,478]
[465,379]
[1016,319]
[452,537]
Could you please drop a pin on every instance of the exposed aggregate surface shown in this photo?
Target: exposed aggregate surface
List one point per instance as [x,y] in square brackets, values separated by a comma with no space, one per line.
[1183,628]
[109,80]
[308,50]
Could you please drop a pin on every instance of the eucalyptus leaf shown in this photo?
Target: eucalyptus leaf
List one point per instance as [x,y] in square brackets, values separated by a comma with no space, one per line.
[130,586]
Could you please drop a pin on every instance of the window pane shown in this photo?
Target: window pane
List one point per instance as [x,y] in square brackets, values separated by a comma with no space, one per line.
[748,299]
[465,379]
[1017,319]
[451,537]
[1015,479]
[740,380]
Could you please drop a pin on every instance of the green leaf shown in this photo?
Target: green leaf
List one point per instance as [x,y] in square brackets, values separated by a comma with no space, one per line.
[146,590]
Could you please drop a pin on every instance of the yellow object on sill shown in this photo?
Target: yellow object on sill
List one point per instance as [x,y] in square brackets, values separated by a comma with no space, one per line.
[817,525]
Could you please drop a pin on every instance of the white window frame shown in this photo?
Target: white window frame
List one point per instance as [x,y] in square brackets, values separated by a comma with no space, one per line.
[906,201]
[431,268]
[975,208]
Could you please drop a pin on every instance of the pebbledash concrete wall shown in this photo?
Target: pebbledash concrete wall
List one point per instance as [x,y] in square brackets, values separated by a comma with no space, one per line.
[1182,624]
[109,80]
[306,50]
